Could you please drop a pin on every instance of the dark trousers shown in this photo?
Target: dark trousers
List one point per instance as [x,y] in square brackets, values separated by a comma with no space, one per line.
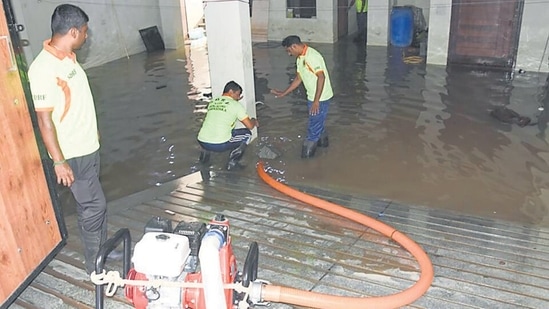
[91,205]
[362,24]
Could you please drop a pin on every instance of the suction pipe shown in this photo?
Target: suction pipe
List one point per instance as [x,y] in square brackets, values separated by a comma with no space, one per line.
[214,294]
[324,301]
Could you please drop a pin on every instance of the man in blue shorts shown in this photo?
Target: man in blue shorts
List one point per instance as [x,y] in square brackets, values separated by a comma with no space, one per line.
[218,131]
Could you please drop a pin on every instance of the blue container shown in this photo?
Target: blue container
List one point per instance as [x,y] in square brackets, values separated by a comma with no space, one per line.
[402,26]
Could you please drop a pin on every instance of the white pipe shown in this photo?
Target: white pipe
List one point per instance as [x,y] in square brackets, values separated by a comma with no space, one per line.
[210,268]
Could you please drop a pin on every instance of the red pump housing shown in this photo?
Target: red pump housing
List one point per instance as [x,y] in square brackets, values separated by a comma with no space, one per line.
[191,298]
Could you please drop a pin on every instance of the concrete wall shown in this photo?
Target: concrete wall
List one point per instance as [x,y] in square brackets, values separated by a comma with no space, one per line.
[378,22]
[439,31]
[534,35]
[260,20]
[322,29]
[172,23]
[114,26]
[195,12]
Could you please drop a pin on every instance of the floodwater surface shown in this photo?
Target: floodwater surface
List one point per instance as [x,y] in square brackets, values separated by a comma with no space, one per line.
[412,133]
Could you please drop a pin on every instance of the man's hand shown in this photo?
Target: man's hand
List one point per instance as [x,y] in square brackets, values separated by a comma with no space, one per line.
[315,108]
[64,174]
[277,93]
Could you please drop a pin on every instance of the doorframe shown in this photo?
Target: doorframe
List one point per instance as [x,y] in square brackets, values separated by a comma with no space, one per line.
[342,18]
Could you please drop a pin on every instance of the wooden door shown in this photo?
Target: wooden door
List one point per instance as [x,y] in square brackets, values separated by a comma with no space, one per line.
[485,32]
[342,18]
[31,231]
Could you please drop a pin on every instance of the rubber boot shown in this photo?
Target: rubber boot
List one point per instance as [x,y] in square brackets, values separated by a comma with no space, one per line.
[204,156]
[205,173]
[323,141]
[308,149]
[235,156]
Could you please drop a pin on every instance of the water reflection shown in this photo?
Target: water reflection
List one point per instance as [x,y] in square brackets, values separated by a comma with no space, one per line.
[422,134]
[413,133]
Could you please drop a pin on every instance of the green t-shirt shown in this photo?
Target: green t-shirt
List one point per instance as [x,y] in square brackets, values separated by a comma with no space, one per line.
[308,65]
[223,112]
[361,6]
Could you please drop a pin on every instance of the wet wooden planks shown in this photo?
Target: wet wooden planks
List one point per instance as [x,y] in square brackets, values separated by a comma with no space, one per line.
[478,263]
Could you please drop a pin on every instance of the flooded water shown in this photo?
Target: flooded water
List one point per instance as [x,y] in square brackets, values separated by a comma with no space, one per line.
[412,133]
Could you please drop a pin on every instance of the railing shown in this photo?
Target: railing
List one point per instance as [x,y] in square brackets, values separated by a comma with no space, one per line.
[106,248]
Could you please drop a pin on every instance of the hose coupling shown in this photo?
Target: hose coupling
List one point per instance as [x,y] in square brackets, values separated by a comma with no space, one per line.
[255,291]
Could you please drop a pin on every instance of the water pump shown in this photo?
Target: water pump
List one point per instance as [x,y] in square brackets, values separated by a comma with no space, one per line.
[193,252]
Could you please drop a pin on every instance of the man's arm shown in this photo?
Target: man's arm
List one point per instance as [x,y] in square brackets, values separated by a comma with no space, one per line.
[295,83]
[49,135]
[250,123]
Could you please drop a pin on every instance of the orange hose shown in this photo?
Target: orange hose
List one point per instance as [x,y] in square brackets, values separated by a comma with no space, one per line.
[324,301]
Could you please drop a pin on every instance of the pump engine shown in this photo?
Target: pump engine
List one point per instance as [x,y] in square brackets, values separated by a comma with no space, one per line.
[175,255]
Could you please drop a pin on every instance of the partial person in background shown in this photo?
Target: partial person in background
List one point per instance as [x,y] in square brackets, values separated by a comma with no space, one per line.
[218,131]
[312,71]
[67,120]
[361,20]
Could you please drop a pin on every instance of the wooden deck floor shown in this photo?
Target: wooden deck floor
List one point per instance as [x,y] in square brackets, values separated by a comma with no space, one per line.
[478,263]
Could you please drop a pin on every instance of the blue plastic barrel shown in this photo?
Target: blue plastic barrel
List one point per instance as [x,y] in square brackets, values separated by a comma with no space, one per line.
[402,26]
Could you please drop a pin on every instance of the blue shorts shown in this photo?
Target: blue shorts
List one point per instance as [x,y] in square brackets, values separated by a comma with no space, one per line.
[238,137]
[315,127]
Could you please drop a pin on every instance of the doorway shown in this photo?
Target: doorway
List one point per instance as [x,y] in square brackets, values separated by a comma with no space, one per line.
[342,18]
[485,33]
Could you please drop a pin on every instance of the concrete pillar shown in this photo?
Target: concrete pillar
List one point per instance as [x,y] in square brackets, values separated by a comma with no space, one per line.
[534,36]
[230,48]
[378,22]
[439,31]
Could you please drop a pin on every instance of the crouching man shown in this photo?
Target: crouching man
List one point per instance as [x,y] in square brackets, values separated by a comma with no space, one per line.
[218,131]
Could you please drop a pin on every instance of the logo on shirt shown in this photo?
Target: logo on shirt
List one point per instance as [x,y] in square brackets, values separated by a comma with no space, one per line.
[71,74]
[39,97]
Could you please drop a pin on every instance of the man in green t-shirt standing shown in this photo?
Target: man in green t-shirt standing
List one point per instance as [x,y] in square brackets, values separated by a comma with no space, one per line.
[361,19]
[312,72]
[218,131]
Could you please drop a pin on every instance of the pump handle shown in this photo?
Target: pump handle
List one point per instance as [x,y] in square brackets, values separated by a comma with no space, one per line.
[249,271]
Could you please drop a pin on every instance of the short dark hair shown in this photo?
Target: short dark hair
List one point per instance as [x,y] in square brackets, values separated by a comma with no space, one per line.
[291,40]
[232,85]
[66,17]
